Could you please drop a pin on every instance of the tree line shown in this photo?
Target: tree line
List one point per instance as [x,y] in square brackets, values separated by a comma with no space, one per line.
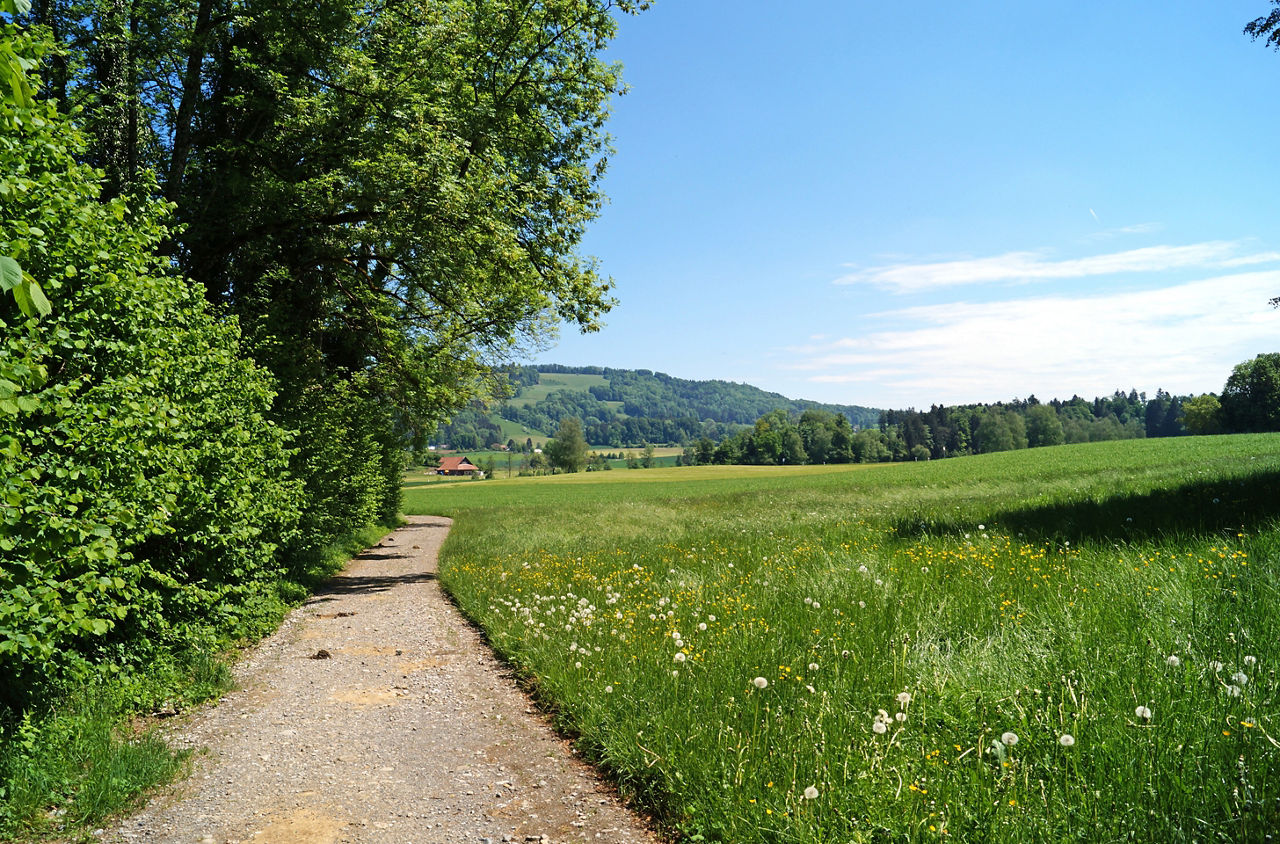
[250,250]
[1250,402]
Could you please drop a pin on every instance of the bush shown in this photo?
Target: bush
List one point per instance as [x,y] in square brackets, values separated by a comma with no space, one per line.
[144,493]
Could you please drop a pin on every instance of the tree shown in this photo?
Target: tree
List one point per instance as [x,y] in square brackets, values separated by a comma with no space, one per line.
[568,450]
[389,196]
[1202,414]
[1043,426]
[1251,397]
[144,493]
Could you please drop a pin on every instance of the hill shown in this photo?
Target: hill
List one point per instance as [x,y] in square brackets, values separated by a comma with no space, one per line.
[624,407]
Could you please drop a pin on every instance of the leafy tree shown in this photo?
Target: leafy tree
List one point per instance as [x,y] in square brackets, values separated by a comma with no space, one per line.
[568,450]
[1251,397]
[389,196]
[1043,426]
[143,493]
[1202,414]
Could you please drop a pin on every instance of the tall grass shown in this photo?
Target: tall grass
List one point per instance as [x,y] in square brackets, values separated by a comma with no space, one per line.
[1075,643]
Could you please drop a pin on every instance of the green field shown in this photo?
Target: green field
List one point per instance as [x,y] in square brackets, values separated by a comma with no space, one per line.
[1064,644]
[549,383]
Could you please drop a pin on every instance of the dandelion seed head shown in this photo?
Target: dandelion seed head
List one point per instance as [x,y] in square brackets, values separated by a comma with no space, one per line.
[1008,739]
[813,666]
[811,793]
[1066,740]
[879,728]
[903,698]
[1143,712]
[702,625]
[900,716]
[608,690]
[1240,678]
[1250,661]
[760,683]
[982,527]
[679,657]
[1234,691]
[1173,661]
[1215,666]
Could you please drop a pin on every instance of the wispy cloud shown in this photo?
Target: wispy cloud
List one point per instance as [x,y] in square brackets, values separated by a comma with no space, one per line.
[1024,267]
[1184,338]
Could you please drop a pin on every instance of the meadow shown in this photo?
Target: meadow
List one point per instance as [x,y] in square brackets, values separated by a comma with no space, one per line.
[1075,643]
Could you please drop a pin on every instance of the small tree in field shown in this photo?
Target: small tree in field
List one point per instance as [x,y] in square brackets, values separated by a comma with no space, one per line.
[568,451]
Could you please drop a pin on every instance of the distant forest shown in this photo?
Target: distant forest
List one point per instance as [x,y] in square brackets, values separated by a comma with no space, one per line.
[631,408]
[724,422]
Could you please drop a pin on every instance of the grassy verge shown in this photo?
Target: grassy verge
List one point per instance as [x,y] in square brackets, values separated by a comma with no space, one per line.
[1076,643]
[93,751]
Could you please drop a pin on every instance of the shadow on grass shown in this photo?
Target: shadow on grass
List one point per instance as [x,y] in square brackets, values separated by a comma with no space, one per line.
[1220,507]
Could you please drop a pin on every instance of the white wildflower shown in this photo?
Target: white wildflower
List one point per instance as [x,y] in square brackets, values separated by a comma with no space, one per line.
[1142,712]
[1009,739]
[811,793]
[1066,740]
[679,657]
[760,683]
[1173,661]
[879,728]
[1250,661]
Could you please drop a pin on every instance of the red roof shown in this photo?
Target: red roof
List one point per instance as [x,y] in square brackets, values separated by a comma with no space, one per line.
[457,464]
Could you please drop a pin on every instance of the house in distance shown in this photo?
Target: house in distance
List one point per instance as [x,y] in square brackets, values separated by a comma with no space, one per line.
[457,465]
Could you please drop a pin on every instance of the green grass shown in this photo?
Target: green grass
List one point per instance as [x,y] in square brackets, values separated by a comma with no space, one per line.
[549,383]
[1038,593]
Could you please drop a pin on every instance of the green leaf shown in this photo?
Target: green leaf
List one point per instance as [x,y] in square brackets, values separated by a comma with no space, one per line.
[10,273]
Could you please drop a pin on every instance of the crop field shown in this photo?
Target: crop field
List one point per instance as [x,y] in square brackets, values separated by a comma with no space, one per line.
[1076,643]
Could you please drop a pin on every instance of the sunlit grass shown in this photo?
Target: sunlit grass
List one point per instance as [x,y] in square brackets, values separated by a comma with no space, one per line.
[902,621]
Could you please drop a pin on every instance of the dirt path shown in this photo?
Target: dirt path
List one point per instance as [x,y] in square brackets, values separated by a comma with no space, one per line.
[408,733]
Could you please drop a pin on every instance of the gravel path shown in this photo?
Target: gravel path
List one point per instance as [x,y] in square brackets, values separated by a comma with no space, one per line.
[409,732]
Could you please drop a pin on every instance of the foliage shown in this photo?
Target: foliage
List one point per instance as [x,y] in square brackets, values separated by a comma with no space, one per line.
[1251,398]
[1052,594]
[143,492]
[1203,414]
[390,196]
[568,451]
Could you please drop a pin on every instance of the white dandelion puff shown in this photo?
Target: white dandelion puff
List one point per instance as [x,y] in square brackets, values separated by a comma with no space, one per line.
[1066,740]
[1009,739]
[903,698]
[1250,661]
[813,666]
[879,728]
[1142,712]
[1234,691]
[900,716]
[760,683]
[811,793]
[679,657]
[1240,678]
[608,690]
[1173,661]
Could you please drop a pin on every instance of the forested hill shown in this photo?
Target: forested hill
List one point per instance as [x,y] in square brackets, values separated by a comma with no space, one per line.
[624,407]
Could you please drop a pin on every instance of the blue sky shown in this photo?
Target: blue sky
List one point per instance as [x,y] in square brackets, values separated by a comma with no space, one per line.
[898,205]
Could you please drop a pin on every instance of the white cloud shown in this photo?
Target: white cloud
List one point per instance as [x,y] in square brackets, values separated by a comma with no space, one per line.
[907,277]
[1184,338]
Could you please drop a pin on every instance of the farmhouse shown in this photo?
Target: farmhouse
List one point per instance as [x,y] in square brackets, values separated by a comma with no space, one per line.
[457,465]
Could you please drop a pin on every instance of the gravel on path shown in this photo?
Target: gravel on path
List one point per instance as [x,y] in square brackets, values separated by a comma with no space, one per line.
[377,714]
